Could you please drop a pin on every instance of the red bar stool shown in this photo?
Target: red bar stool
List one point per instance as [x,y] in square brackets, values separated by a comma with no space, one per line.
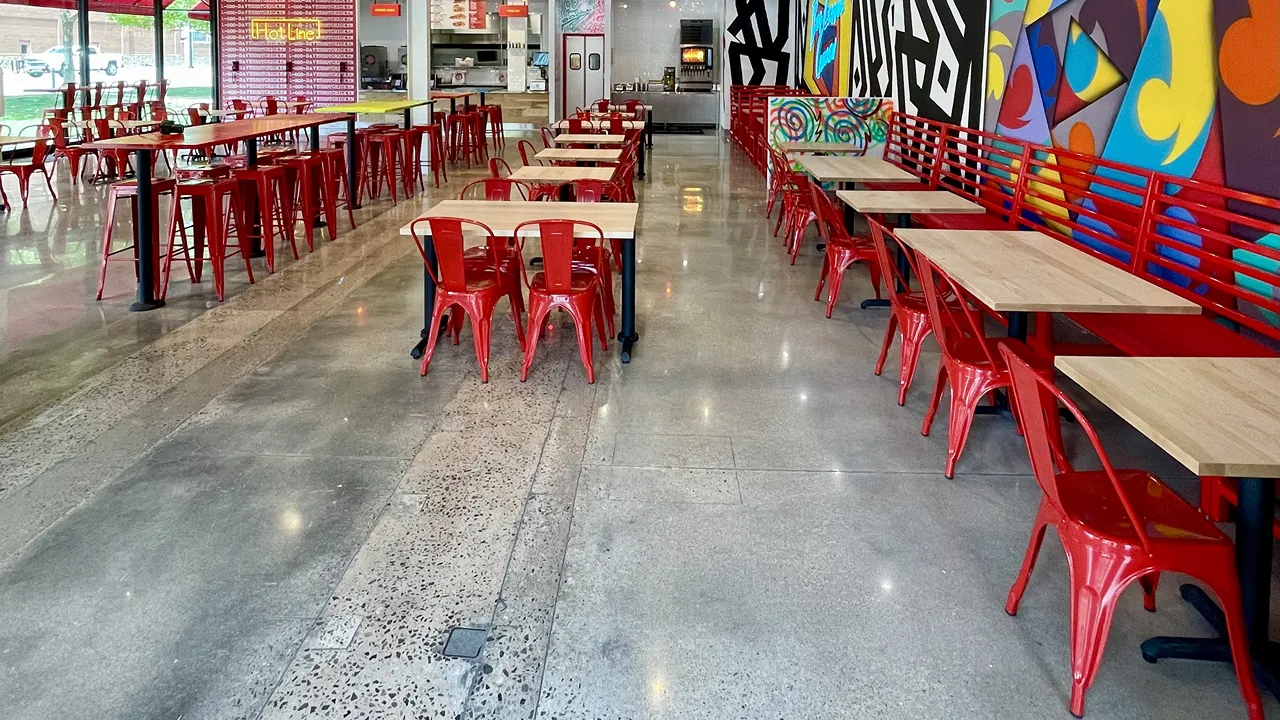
[263,190]
[202,171]
[310,194]
[436,148]
[128,190]
[413,180]
[339,183]
[497,130]
[215,206]
[339,141]
[385,159]
[479,142]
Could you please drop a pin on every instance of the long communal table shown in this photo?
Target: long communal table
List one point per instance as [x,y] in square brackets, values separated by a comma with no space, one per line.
[616,220]
[1220,417]
[380,107]
[247,131]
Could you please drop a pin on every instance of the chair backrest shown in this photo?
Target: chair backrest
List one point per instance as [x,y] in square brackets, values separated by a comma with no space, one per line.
[494,188]
[548,137]
[240,105]
[268,105]
[830,221]
[447,243]
[601,105]
[497,166]
[575,124]
[527,151]
[67,95]
[162,88]
[617,126]
[558,241]
[954,323]
[159,112]
[586,190]
[881,237]
[1034,397]
[41,147]
[140,89]
[102,129]
[632,106]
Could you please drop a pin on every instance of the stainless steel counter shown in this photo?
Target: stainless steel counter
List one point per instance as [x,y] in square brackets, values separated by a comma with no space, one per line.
[693,109]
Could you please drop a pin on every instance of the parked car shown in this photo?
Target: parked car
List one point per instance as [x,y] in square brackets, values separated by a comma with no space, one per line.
[51,60]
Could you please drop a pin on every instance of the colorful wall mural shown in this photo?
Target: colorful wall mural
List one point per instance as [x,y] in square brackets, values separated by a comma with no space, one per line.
[582,16]
[859,120]
[828,46]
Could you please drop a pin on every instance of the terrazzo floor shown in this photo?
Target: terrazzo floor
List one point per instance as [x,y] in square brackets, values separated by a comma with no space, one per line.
[258,509]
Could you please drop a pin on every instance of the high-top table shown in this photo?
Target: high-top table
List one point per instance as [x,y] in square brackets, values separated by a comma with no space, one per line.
[1216,416]
[247,131]
[616,220]
[379,107]
[453,98]
[1029,272]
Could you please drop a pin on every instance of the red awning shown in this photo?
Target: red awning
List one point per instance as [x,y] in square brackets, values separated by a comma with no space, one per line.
[120,7]
[199,11]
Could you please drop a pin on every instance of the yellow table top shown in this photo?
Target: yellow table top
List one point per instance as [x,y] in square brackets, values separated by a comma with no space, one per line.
[374,106]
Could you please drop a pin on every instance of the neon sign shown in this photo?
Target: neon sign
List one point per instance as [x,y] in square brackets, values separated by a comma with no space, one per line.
[828,45]
[285,29]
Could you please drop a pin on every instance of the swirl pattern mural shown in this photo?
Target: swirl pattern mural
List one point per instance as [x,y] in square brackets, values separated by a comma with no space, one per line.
[863,121]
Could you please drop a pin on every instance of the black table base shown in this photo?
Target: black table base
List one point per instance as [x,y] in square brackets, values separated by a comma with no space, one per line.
[146,237]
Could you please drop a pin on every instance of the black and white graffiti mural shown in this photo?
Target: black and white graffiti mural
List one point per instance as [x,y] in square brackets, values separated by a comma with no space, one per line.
[760,42]
[939,53]
[871,67]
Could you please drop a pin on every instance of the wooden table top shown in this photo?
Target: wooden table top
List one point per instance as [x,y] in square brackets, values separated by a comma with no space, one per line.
[545,173]
[16,139]
[1031,272]
[837,168]
[219,133]
[375,106]
[594,138]
[579,154]
[626,124]
[821,147]
[1217,416]
[903,202]
[221,113]
[617,220]
[126,124]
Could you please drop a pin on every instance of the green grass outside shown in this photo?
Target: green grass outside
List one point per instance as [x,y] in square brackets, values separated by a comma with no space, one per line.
[32,106]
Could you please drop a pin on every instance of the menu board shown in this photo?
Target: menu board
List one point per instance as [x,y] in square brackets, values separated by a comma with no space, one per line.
[458,15]
[288,48]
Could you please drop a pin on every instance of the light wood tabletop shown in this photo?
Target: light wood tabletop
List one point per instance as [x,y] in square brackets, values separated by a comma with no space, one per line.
[903,202]
[626,124]
[623,108]
[219,133]
[579,154]
[16,140]
[838,168]
[1217,416]
[126,124]
[544,173]
[617,220]
[1031,272]
[821,147]
[590,138]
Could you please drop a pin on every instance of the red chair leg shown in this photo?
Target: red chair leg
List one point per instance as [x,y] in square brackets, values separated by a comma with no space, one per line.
[1096,583]
[1029,560]
[538,309]
[1212,501]
[1226,586]
[890,330]
[913,338]
[833,288]
[966,392]
[436,314]
[1149,584]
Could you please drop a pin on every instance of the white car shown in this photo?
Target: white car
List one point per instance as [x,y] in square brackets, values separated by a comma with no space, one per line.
[51,60]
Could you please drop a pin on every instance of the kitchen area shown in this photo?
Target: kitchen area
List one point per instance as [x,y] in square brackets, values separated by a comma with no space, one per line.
[666,54]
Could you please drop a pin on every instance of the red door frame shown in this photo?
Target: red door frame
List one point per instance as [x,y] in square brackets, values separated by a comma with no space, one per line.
[564,68]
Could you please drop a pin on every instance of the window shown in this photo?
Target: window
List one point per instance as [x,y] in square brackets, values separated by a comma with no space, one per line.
[593,61]
[24,47]
[575,61]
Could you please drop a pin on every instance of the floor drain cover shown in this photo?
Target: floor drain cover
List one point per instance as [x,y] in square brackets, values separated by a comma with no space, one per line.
[465,642]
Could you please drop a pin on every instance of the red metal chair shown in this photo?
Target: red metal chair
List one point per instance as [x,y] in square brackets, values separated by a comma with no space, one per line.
[842,251]
[548,138]
[908,315]
[459,284]
[970,362]
[564,284]
[576,125]
[1116,526]
[24,169]
[496,167]
[492,188]
[215,211]
[527,153]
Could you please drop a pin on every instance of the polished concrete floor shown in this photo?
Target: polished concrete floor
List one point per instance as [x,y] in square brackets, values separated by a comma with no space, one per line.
[258,509]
